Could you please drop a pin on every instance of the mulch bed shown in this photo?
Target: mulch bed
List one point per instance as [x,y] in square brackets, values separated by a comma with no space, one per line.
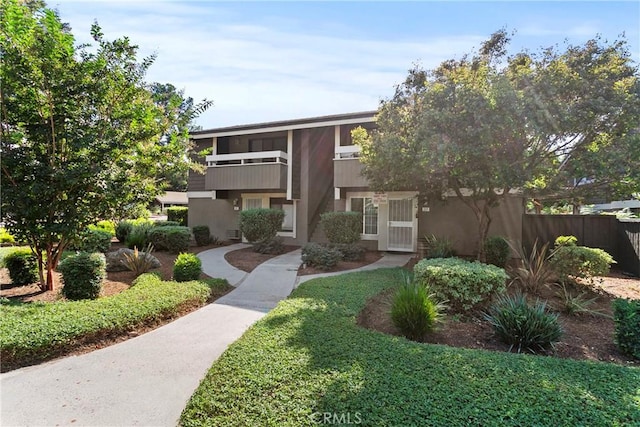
[247,259]
[586,337]
[369,258]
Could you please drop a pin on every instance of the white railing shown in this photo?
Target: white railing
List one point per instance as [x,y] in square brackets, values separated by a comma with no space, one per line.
[347,152]
[256,157]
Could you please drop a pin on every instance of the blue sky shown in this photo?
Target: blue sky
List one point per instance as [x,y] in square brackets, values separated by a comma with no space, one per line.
[264,61]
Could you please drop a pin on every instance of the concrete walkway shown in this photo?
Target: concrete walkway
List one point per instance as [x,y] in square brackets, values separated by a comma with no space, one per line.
[147,380]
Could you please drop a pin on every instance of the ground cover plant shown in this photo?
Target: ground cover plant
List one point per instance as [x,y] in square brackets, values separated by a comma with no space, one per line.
[308,358]
[37,331]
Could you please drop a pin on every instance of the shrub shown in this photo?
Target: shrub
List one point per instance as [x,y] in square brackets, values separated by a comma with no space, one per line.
[317,255]
[139,235]
[570,261]
[105,225]
[536,270]
[529,327]
[438,247]
[6,237]
[577,304]
[93,239]
[139,261]
[202,235]
[497,251]
[172,239]
[413,310]
[167,224]
[123,229]
[464,285]
[350,251]
[272,246]
[82,275]
[187,267]
[626,315]
[565,241]
[260,225]
[23,266]
[342,227]
[178,214]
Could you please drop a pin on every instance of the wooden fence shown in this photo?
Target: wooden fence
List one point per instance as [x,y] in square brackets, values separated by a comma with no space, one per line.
[621,238]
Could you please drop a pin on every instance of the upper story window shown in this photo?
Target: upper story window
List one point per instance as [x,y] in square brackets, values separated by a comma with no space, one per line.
[268,144]
[345,132]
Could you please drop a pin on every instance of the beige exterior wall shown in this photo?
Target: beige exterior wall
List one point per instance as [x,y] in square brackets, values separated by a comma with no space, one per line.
[217,214]
[247,177]
[455,220]
[348,173]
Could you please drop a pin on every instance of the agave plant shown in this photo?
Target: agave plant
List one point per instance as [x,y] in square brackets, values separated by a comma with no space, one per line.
[536,269]
[139,261]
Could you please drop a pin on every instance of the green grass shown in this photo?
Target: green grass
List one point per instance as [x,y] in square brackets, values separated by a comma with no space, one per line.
[308,357]
[33,332]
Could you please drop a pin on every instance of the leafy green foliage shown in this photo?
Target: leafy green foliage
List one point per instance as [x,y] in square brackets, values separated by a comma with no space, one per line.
[413,310]
[565,241]
[105,225]
[202,234]
[571,262]
[34,332]
[22,265]
[463,285]
[438,247]
[527,327]
[626,315]
[350,251]
[309,356]
[92,239]
[123,228]
[323,257]
[167,224]
[497,251]
[82,275]
[139,261]
[576,304]
[172,239]
[536,269]
[6,237]
[139,236]
[260,225]
[179,214]
[187,267]
[494,120]
[273,246]
[342,227]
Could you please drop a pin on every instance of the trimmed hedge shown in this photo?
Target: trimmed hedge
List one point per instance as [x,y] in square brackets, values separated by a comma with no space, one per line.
[202,235]
[37,331]
[323,257]
[93,239]
[82,275]
[463,285]
[497,251]
[260,225]
[187,267]
[172,239]
[22,265]
[167,224]
[350,251]
[626,315]
[308,357]
[342,227]
[179,214]
[571,261]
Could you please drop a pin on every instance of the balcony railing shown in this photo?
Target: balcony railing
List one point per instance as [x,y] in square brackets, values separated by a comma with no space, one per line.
[347,152]
[252,158]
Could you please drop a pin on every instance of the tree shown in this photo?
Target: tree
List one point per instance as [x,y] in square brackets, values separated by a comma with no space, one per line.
[80,130]
[488,124]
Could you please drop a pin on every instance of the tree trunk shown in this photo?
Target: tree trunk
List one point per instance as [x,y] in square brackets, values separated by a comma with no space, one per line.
[484,222]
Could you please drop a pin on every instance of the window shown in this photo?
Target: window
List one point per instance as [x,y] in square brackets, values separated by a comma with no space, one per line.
[369,212]
[274,201]
[287,207]
[345,132]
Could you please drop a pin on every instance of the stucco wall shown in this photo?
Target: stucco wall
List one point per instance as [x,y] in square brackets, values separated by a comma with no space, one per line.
[455,220]
[217,214]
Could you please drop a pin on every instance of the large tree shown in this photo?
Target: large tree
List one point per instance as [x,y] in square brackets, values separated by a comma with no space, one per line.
[488,124]
[80,130]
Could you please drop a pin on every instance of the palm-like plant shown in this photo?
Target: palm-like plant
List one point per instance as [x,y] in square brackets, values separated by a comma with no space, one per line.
[536,270]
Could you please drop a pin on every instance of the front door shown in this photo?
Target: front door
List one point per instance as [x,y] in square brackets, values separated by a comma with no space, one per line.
[400,225]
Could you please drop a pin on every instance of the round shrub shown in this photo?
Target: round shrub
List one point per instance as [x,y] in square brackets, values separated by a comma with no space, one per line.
[82,275]
[350,251]
[178,214]
[92,239]
[260,225]
[464,285]
[123,229]
[23,267]
[570,261]
[317,255]
[172,239]
[272,246]
[342,227]
[497,251]
[524,326]
[187,267]
[626,315]
[413,311]
[201,234]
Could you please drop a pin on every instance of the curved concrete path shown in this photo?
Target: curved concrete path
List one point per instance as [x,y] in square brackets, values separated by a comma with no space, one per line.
[147,380]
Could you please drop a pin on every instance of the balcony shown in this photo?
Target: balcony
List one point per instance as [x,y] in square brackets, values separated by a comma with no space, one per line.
[261,170]
[347,169]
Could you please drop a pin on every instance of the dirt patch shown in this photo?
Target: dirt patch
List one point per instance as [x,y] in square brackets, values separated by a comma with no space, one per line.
[586,337]
[247,259]
[369,258]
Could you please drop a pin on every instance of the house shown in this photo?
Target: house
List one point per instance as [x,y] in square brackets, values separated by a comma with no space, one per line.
[171,198]
[309,166]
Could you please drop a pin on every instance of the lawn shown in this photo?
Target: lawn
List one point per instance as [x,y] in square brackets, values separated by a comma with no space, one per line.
[308,362]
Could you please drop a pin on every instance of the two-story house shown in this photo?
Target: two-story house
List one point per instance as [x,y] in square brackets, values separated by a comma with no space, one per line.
[309,166]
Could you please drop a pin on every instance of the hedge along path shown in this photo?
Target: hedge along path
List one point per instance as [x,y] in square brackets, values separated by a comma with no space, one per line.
[34,332]
[308,358]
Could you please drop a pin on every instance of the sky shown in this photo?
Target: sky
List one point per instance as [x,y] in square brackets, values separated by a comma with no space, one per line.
[267,61]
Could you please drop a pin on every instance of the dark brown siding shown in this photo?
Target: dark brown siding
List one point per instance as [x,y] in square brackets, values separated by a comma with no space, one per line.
[196,180]
[348,173]
[247,177]
[296,158]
